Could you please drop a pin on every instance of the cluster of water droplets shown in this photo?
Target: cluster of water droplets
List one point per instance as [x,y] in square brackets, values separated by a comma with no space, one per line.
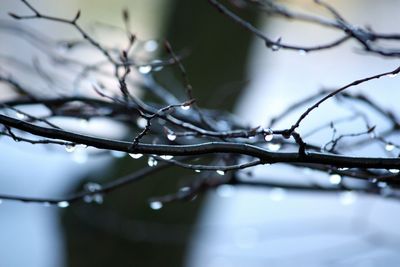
[152,162]
[93,197]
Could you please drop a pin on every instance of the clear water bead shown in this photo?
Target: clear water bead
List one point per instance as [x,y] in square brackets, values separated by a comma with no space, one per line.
[171,137]
[268,135]
[152,162]
[335,179]
[185,107]
[63,204]
[167,157]
[156,205]
[70,148]
[220,172]
[21,116]
[135,155]
[389,147]
[145,69]
[141,122]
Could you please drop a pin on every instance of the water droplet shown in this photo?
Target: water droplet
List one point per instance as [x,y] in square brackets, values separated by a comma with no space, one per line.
[151,45]
[135,155]
[220,172]
[156,205]
[389,147]
[275,47]
[302,52]
[70,148]
[171,137]
[63,204]
[98,198]
[185,107]
[374,180]
[395,171]
[393,75]
[141,122]
[117,154]
[347,198]
[92,187]
[335,179]
[197,171]
[21,116]
[157,65]
[88,199]
[225,190]
[274,147]
[152,162]
[145,69]
[184,189]
[343,169]
[277,194]
[268,135]
[167,157]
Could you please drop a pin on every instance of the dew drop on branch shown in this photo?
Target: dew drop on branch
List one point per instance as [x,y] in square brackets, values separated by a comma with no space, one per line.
[21,116]
[145,69]
[335,179]
[63,204]
[152,162]
[268,135]
[394,171]
[157,65]
[70,148]
[167,157]
[185,107]
[155,205]
[141,122]
[135,155]
[220,172]
[389,147]
[302,52]
[171,137]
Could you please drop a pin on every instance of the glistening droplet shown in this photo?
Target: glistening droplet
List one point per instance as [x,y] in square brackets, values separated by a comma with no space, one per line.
[171,137]
[135,155]
[70,148]
[389,147]
[63,204]
[145,69]
[156,205]
[220,172]
[335,179]
[152,162]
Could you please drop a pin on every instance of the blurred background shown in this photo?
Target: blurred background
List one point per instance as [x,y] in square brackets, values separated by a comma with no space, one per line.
[230,226]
